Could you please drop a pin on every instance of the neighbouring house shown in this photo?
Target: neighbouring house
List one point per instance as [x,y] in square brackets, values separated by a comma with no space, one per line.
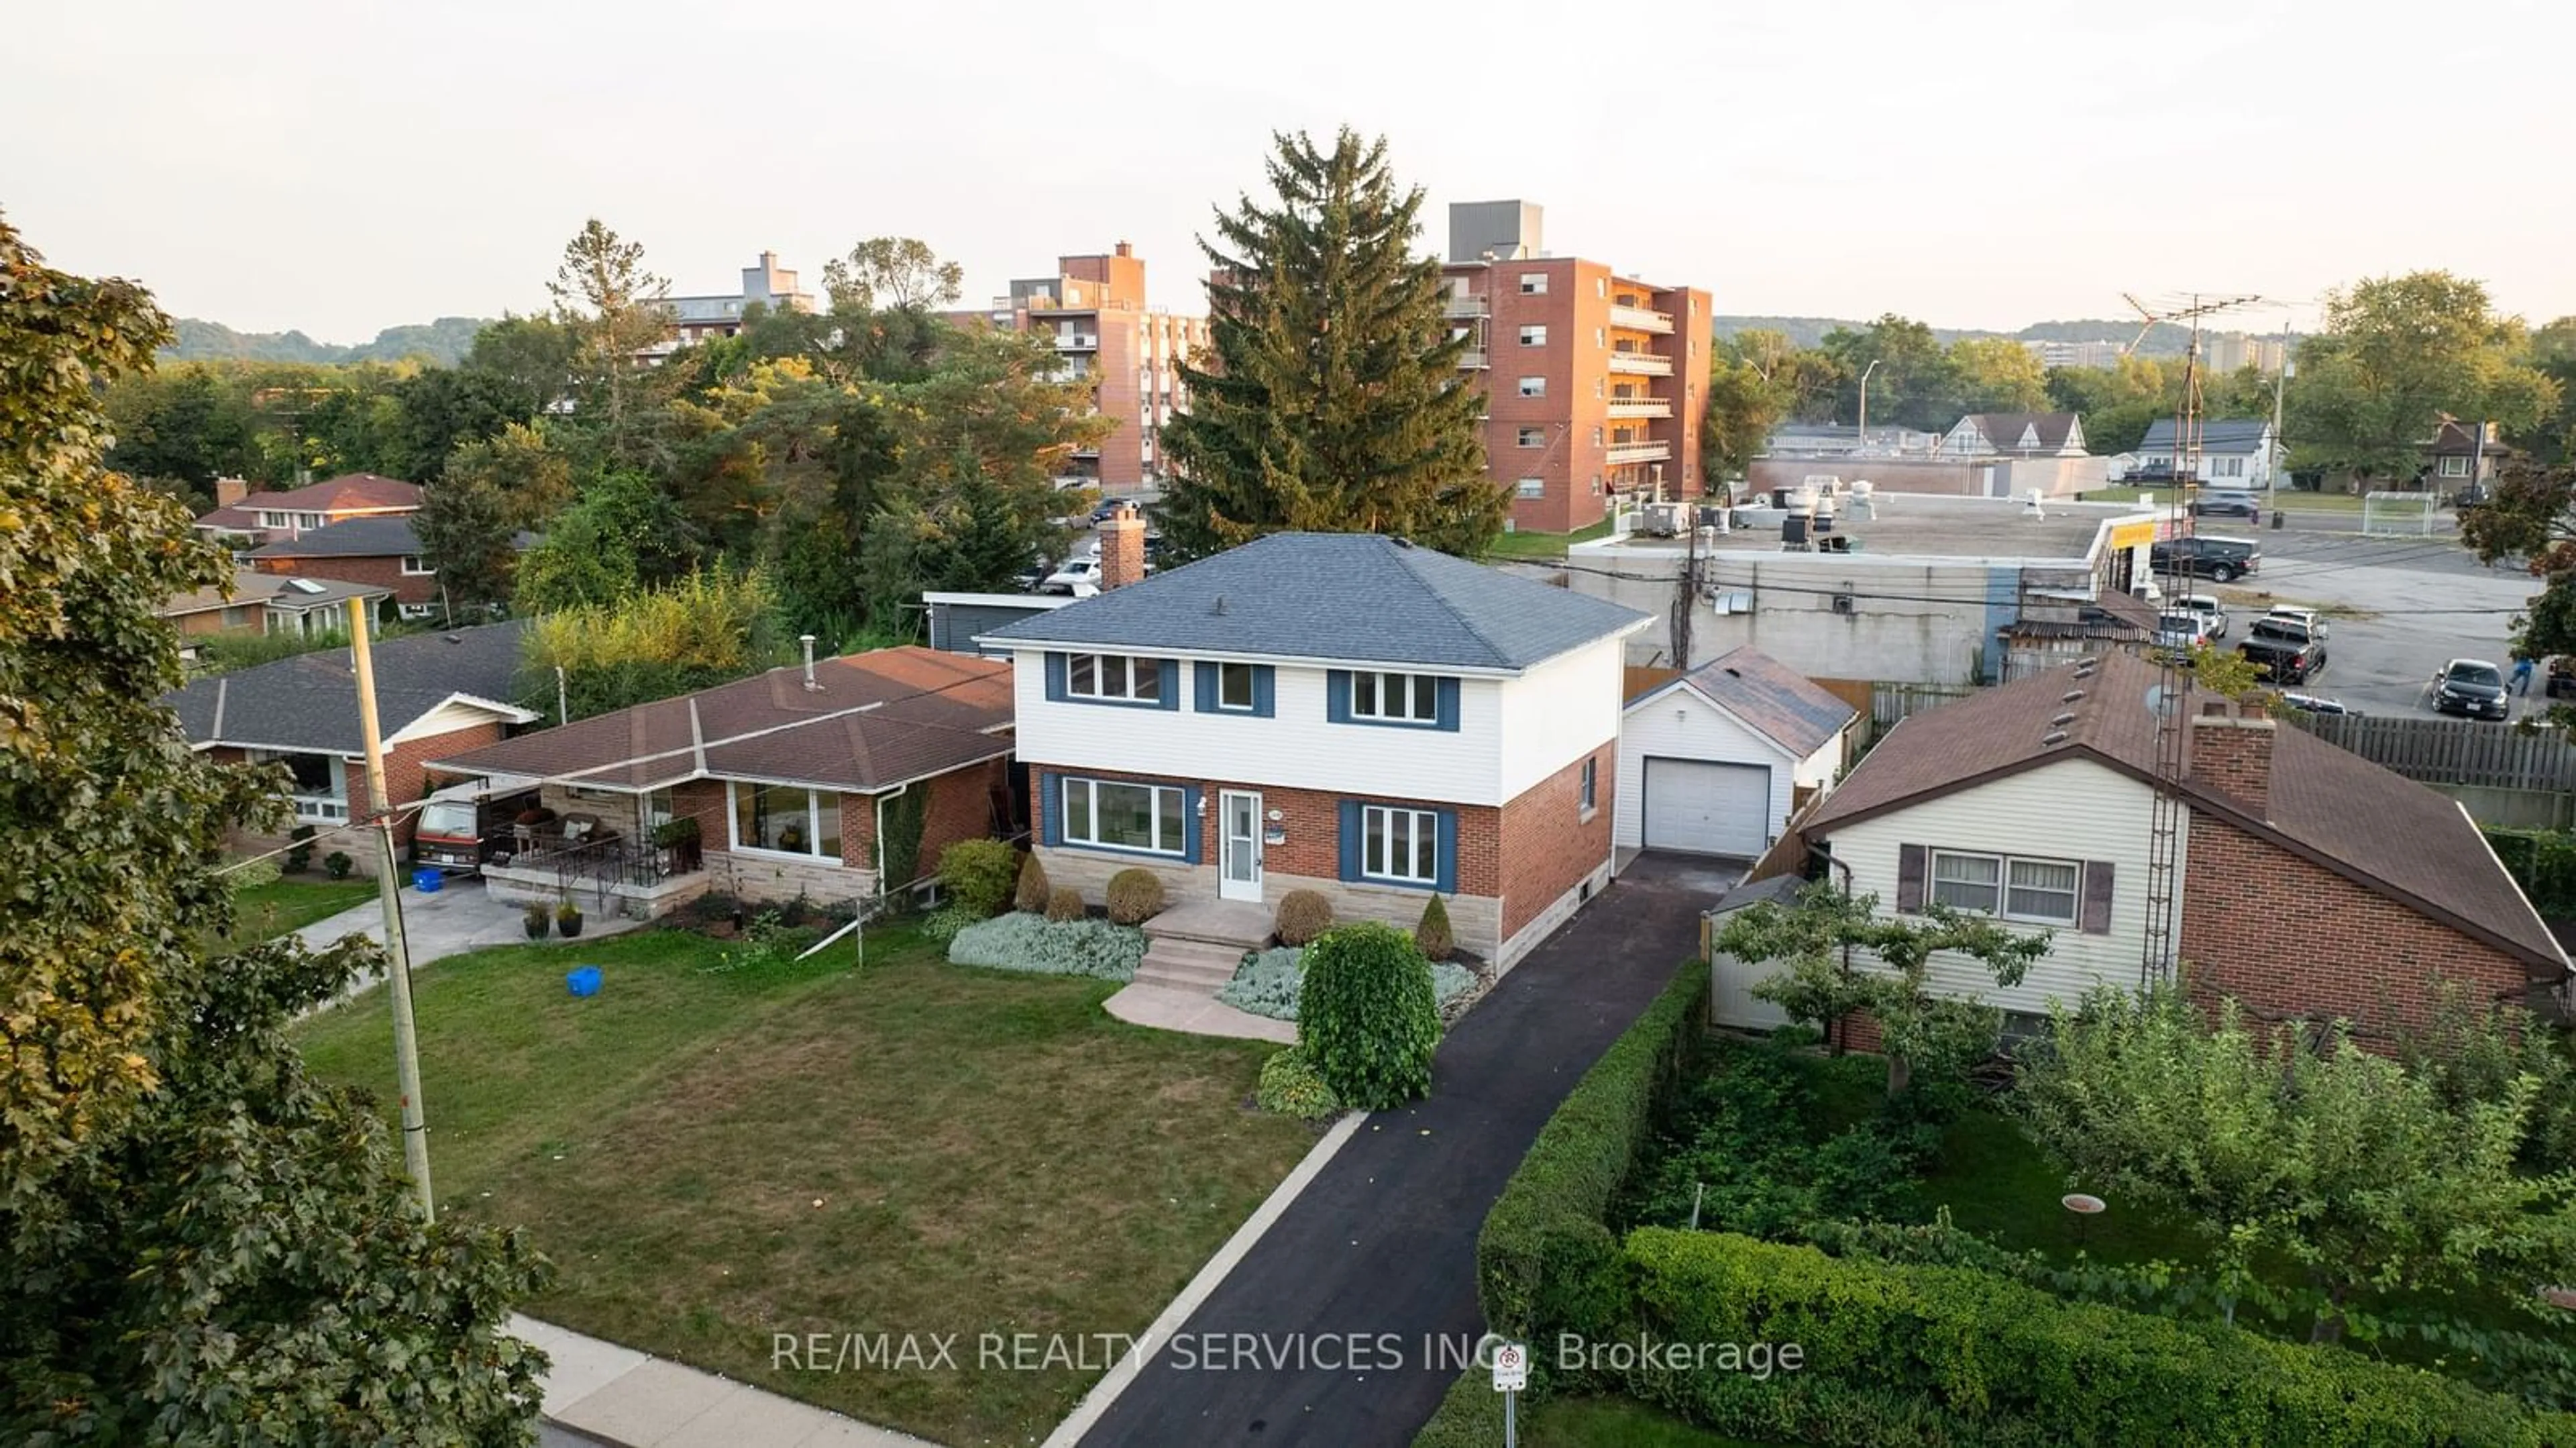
[2015,435]
[1716,761]
[257,603]
[958,621]
[2234,453]
[2307,881]
[383,552]
[1344,713]
[250,519]
[1901,588]
[2462,454]
[826,781]
[436,694]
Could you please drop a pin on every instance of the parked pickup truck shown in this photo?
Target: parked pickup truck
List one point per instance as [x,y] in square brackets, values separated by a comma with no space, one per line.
[2284,651]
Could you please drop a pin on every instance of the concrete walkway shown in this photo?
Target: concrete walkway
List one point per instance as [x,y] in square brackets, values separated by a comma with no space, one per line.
[455,919]
[1384,1242]
[617,1395]
[1169,1009]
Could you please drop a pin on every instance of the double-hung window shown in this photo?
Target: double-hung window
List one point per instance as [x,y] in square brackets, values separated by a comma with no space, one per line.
[1114,814]
[2045,892]
[1591,784]
[1234,688]
[1401,845]
[1396,698]
[1114,677]
[416,566]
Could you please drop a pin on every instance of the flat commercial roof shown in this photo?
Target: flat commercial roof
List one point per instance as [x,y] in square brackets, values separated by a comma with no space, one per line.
[1916,526]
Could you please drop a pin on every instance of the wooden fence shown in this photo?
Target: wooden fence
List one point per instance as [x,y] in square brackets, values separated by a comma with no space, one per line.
[2456,752]
[1890,703]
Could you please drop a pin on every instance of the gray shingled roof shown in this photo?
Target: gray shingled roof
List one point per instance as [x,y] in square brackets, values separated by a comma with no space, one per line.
[1772,699]
[349,538]
[1355,596]
[310,701]
[2225,435]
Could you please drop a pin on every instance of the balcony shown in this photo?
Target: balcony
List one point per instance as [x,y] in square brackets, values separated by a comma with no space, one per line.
[1456,305]
[1641,364]
[1641,407]
[1077,341]
[321,808]
[1622,454]
[1473,360]
[1640,319]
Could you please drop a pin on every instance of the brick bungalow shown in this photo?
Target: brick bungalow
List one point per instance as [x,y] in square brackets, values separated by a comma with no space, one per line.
[798,779]
[2308,881]
[436,694]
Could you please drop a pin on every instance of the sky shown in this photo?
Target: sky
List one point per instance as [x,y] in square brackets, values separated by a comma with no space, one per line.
[347,166]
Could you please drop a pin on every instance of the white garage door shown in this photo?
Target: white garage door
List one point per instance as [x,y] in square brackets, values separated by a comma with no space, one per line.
[1706,808]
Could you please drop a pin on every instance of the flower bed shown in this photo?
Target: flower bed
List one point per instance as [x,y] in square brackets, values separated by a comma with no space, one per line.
[1270,982]
[1039,946]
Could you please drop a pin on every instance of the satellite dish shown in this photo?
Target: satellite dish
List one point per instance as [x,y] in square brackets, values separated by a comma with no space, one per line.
[2162,701]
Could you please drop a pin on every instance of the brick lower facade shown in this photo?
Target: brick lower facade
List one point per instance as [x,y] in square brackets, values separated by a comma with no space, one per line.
[1520,869]
[959,807]
[2287,937]
[375,572]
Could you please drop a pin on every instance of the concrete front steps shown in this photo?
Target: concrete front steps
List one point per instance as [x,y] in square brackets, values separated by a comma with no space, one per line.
[1199,946]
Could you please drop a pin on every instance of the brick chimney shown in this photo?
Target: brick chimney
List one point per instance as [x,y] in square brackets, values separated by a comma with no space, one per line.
[1126,249]
[1122,548]
[2231,752]
[229,491]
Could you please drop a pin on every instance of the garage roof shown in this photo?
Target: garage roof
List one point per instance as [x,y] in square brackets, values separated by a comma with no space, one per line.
[1770,698]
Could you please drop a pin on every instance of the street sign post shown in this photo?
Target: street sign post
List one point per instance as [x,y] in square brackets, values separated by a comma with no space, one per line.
[1511,1375]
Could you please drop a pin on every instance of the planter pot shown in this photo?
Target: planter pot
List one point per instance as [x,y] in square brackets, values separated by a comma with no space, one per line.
[536,929]
[568,925]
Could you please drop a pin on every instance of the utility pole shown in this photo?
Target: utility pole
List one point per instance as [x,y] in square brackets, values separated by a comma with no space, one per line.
[1686,596]
[415,1122]
[1861,443]
[2280,383]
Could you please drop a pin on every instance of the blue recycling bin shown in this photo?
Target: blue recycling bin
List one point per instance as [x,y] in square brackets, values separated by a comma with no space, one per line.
[428,882]
[582,980]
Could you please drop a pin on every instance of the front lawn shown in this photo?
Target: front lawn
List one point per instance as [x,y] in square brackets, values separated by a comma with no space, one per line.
[1532,547]
[1614,1423]
[714,1158]
[266,911]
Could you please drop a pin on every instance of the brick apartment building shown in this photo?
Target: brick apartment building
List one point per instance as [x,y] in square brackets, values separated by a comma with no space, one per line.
[1595,382]
[1094,308]
[696,319]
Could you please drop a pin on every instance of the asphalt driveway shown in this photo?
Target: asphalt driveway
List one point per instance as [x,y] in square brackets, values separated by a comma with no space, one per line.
[1348,1296]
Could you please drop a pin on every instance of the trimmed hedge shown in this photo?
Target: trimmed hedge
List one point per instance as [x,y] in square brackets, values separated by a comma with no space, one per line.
[1546,1260]
[1933,1355]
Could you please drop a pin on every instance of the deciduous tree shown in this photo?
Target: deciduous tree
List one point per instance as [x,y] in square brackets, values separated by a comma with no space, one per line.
[2396,356]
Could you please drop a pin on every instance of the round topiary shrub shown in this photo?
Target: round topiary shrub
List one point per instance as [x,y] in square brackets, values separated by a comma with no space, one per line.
[1303,915]
[979,874]
[1034,892]
[1290,1087]
[1065,903]
[1135,896]
[1433,933]
[1367,1019]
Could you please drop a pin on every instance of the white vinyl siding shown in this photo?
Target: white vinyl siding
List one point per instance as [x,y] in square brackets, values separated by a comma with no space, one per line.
[2065,811]
[1679,724]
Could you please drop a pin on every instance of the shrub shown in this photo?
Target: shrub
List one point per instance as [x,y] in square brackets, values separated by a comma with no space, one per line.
[940,926]
[1290,1087]
[1015,941]
[299,855]
[1065,903]
[768,943]
[979,875]
[1987,1360]
[1270,983]
[1367,1019]
[337,864]
[251,874]
[1135,896]
[1546,1260]
[1433,933]
[1303,915]
[1034,893]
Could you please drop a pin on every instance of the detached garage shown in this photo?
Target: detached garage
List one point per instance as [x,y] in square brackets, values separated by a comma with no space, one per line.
[1711,762]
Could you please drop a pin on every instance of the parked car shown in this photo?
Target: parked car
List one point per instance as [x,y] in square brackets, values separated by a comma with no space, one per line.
[2561,678]
[2283,651]
[2316,704]
[1077,576]
[2181,629]
[2213,614]
[1108,509]
[2229,503]
[2475,495]
[2471,688]
[2222,559]
[2306,618]
[464,826]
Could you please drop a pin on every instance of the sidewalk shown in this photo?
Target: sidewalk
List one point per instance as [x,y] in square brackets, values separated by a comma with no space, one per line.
[620,1396]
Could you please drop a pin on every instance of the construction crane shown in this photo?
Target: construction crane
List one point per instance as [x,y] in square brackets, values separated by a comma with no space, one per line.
[2169,698]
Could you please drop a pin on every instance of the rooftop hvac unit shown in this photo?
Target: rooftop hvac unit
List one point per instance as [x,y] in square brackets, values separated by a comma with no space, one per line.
[1662,520]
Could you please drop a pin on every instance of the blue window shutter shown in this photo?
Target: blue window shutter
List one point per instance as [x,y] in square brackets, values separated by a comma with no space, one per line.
[1265,691]
[1203,675]
[1337,699]
[1350,811]
[1192,827]
[1448,871]
[1170,690]
[1449,705]
[1051,798]
[1055,678]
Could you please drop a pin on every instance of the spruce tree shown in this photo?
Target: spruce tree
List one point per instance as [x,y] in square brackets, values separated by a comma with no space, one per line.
[1334,402]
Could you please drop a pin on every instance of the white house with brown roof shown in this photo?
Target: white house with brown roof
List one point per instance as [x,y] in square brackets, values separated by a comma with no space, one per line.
[1714,761]
[2308,882]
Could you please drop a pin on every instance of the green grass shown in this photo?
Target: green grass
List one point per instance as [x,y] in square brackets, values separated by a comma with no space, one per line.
[1998,1183]
[713,1158]
[1613,1423]
[1528,546]
[264,912]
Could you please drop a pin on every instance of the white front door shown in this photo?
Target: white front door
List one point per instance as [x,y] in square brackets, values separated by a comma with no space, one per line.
[1238,849]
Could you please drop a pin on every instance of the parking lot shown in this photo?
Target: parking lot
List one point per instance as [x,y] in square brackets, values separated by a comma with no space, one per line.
[2400,608]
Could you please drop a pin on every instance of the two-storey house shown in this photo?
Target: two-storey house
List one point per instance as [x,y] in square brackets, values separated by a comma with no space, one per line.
[1344,713]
